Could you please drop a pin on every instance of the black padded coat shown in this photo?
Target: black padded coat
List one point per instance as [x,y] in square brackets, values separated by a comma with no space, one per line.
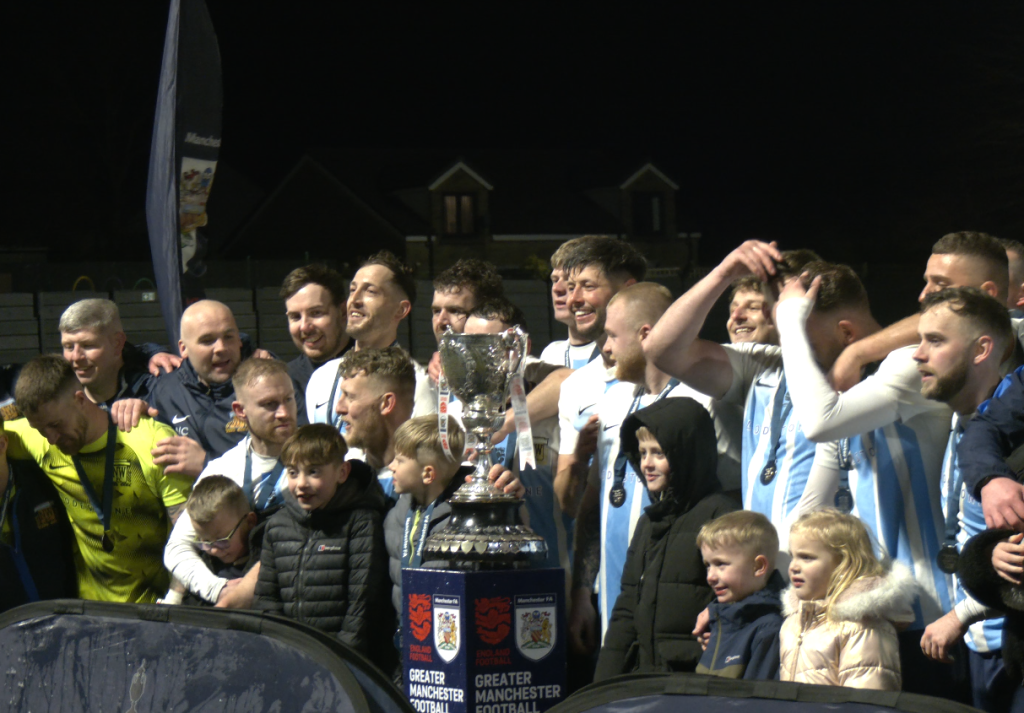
[328,568]
[664,583]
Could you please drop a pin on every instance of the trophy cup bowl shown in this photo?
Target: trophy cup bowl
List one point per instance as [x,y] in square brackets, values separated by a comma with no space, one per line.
[483,529]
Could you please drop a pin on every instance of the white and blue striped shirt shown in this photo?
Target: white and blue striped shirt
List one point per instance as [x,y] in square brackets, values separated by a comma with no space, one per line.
[758,379]
[986,635]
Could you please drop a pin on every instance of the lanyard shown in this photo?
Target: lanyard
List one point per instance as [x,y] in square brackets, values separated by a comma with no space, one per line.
[7,500]
[778,409]
[948,558]
[617,496]
[953,502]
[104,511]
[269,482]
[593,354]
[332,414]
[413,559]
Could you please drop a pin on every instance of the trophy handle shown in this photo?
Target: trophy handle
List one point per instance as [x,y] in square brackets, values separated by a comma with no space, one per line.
[514,340]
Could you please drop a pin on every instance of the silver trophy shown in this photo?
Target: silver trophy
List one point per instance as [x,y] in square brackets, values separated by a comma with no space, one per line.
[484,529]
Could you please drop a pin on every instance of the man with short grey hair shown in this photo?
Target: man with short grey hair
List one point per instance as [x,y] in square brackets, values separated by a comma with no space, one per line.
[93,340]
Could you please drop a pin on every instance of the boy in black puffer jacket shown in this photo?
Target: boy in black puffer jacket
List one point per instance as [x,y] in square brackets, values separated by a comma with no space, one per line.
[672,445]
[323,561]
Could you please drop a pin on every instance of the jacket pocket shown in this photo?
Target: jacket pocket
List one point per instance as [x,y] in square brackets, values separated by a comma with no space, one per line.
[677,652]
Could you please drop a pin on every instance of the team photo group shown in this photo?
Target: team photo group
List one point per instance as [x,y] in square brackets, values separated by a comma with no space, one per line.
[823,499]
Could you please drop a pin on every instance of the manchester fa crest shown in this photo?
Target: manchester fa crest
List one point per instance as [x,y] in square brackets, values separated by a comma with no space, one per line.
[536,625]
[447,626]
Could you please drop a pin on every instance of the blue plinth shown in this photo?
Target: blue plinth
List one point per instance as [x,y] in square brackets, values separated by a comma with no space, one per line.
[484,642]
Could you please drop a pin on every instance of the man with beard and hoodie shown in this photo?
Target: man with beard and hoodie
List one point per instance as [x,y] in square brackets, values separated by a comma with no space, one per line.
[664,584]
[323,561]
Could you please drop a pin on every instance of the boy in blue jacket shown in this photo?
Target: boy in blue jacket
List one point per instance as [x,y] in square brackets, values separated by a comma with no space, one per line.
[739,550]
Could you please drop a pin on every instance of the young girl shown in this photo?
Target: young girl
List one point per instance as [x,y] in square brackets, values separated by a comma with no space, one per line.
[841,606]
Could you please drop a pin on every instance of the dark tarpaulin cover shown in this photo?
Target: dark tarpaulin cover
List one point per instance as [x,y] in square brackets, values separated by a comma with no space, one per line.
[691,693]
[108,657]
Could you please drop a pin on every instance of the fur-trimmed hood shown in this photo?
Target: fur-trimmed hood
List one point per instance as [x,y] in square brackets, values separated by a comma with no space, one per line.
[890,597]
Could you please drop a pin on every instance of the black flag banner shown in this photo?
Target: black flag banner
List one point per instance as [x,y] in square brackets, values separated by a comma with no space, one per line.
[183,155]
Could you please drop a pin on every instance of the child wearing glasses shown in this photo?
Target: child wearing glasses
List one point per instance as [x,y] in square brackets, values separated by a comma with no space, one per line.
[227,532]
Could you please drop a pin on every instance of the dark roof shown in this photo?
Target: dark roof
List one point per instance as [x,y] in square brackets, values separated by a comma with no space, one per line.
[535,191]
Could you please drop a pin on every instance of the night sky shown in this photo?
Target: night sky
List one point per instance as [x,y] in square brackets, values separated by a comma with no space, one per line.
[865,133]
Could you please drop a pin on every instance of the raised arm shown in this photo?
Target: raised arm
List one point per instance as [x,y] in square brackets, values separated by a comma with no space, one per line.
[571,473]
[541,402]
[845,373]
[824,413]
[674,345]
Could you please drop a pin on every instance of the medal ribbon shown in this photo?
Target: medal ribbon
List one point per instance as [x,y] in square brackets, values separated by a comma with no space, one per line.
[332,413]
[778,409]
[618,491]
[268,483]
[414,558]
[104,511]
[524,432]
[953,503]
[443,397]
[593,355]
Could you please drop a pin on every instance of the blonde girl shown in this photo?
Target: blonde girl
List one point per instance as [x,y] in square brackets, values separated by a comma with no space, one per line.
[842,606]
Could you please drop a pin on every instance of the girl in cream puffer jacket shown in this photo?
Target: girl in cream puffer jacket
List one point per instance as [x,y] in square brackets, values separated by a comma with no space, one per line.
[842,608]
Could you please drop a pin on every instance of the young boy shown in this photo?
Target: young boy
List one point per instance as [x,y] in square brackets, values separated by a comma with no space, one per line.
[226,532]
[739,550]
[323,561]
[672,445]
[424,479]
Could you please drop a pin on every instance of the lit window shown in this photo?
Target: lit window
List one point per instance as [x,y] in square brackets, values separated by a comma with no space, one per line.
[459,214]
[648,214]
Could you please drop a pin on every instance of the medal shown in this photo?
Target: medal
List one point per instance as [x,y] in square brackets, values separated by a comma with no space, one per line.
[768,474]
[844,500]
[947,559]
[617,496]
[107,543]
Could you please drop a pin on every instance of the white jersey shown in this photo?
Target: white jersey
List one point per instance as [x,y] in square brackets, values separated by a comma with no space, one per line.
[180,556]
[890,440]
[776,457]
[561,353]
[577,401]
[325,383]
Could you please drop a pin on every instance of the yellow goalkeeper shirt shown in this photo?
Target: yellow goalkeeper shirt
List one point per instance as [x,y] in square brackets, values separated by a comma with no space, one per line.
[133,571]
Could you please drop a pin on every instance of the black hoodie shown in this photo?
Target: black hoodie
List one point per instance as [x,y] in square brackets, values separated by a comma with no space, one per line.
[664,583]
[328,567]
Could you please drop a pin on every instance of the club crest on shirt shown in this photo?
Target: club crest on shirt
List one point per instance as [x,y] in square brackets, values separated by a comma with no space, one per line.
[536,625]
[45,515]
[236,425]
[10,411]
[447,625]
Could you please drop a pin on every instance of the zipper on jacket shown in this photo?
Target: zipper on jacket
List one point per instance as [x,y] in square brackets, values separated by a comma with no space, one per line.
[298,581]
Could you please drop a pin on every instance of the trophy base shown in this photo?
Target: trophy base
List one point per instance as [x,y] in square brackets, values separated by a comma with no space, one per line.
[483,532]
